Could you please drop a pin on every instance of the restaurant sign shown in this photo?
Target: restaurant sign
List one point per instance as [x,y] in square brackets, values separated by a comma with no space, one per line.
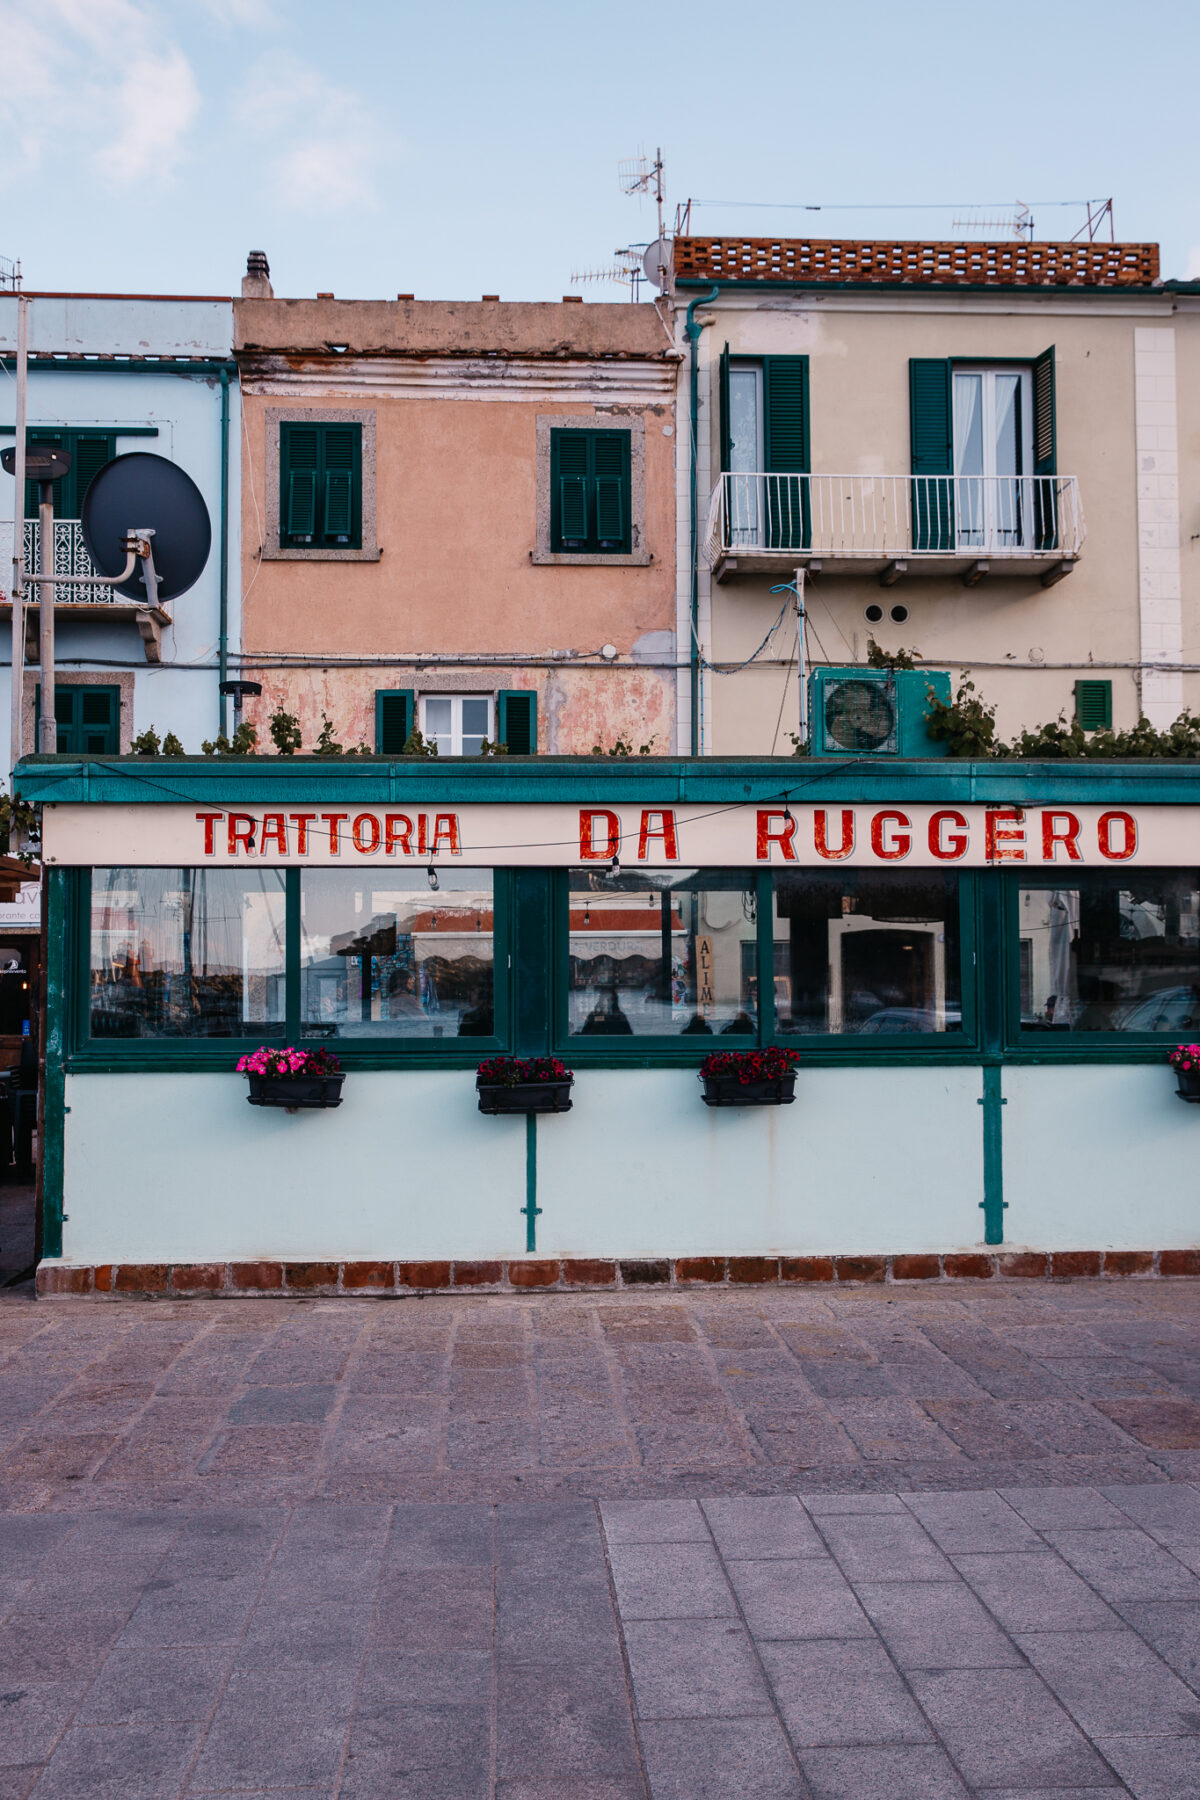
[557,836]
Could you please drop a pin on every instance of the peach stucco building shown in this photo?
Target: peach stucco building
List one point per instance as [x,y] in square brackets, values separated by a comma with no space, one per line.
[459,517]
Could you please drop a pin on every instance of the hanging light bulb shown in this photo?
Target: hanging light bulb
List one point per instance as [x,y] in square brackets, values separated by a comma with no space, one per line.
[587,915]
[433,878]
[614,867]
[478,923]
[433,920]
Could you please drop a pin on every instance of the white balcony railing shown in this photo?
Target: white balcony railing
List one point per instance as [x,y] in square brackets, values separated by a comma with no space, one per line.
[895,516]
[70,558]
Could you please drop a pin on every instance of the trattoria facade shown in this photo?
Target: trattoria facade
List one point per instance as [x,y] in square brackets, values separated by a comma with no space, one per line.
[981,968]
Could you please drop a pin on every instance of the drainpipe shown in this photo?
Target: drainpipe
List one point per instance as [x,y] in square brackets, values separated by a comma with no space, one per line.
[223,625]
[693,331]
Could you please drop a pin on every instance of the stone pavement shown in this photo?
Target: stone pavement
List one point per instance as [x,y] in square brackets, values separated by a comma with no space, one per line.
[876,1544]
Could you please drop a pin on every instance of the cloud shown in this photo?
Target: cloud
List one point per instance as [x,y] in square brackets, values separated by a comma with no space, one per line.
[330,148]
[101,79]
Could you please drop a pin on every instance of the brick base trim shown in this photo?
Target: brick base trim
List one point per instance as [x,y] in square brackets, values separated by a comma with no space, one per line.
[542,1274]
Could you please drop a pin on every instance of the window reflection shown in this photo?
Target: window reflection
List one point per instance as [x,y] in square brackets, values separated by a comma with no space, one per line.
[662,954]
[396,958]
[186,952]
[1112,953]
[866,953]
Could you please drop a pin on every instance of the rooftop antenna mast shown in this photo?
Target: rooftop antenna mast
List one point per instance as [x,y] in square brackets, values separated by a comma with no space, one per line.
[1019,225]
[1097,212]
[638,175]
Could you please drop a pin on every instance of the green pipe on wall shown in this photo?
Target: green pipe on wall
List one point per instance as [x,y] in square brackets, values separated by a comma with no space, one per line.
[693,331]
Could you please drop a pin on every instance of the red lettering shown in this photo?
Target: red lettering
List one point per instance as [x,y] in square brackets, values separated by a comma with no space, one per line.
[589,850]
[1128,824]
[422,833]
[241,832]
[947,849]
[1068,836]
[445,825]
[1004,834]
[768,835]
[366,834]
[273,827]
[821,835]
[334,820]
[891,847]
[664,830]
[397,830]
[210,820]
[302,821]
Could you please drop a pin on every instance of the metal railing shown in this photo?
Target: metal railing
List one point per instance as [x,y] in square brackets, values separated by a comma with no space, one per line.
[874,516]
[70,558]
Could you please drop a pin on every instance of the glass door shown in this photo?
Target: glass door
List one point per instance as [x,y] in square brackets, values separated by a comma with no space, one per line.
[993,457]
[746,454]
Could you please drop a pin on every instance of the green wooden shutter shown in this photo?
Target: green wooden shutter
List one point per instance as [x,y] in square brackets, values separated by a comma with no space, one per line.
[931,425]
[88,719]
[516,723]
[570,468]
[89,453]
[723,402]
[786,445]
[610,464]
[394,712]
[341,467]
[1093,705]
[299,461]
[1045,452]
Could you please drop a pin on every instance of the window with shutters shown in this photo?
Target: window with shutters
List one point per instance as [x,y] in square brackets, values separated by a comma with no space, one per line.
[88,450]
[88,719]
[765,452]
[457,724]
[395,712]
[983,455]
[1093,705]
[590,492]
[320,486]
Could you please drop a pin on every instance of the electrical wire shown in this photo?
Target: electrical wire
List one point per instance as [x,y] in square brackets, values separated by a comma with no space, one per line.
[732,668]
[892,205]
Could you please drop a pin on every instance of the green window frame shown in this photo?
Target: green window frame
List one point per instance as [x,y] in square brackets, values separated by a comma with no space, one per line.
[591,492]
[395,712]
[1093,705]
[320,485]
[516,720]
[787,447]
[88,450]
[87,717]
[213,1053]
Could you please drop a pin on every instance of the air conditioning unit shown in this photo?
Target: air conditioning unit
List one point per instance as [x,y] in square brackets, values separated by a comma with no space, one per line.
[873,712]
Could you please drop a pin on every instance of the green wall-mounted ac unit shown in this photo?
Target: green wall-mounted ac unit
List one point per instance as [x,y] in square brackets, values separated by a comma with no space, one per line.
[874,712]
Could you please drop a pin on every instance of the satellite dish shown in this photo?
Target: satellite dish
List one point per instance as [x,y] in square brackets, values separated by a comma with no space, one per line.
[145,492]
[657,257]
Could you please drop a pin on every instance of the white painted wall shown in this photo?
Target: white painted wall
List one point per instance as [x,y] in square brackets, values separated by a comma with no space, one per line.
[179,1168]
[1100,1156]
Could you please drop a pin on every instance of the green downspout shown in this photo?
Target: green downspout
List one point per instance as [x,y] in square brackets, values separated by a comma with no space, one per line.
[693,336]
[223,625]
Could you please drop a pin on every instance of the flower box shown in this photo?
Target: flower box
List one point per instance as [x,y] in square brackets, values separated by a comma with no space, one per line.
[294,1092]
[513,1084]
[296,1080]
[1185,1060]
[749,1077]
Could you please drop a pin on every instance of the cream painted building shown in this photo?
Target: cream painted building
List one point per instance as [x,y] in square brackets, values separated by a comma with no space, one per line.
[986,453]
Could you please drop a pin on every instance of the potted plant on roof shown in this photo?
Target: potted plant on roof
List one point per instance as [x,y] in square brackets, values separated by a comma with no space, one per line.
[750,1077]
[1185,1060]
[294,1079]
[524,1084]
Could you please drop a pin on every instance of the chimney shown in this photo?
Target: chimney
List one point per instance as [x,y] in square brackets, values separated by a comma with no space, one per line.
[256,282]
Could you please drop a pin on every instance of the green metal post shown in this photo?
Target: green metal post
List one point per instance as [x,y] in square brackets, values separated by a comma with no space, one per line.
[993,1202]
[53,1091]
[223,624]
[693,336]
[531,1209]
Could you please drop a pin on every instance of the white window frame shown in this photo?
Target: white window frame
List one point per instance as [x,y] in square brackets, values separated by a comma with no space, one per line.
[456,727]
[999,509]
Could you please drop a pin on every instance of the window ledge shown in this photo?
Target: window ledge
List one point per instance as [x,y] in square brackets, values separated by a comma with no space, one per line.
[368,553]
[638,559]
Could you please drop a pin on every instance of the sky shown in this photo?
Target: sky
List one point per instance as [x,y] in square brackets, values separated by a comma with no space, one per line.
[458,148]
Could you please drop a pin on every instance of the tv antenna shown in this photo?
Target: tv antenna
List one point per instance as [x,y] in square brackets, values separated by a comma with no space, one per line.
[1020,224]
[10,276]
[638,175]
[1097,212]
[628,270]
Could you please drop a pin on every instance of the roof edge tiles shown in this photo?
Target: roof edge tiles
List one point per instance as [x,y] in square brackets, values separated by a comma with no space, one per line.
[1010,263]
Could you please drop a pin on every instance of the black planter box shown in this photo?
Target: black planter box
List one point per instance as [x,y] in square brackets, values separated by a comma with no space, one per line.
[1189,1085]
[525,1097]
[727,1090]
[296,1092]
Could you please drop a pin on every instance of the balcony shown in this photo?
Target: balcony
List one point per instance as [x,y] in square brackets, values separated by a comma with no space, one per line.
[968,526]
[75,602]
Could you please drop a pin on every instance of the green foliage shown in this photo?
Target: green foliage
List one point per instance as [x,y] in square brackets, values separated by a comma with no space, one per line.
[20,823]
[242,743]
[327,744]
[965,725]
[623,746]
[285,732]
[878,658]
[415,744]
[172,746]
[489,749]
[799,747]
[148,743]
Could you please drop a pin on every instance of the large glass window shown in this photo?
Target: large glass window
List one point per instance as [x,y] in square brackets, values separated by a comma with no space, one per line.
[866,953]
[394,958]
[1112,952]
[457,724]
[662,954]
[186,952]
